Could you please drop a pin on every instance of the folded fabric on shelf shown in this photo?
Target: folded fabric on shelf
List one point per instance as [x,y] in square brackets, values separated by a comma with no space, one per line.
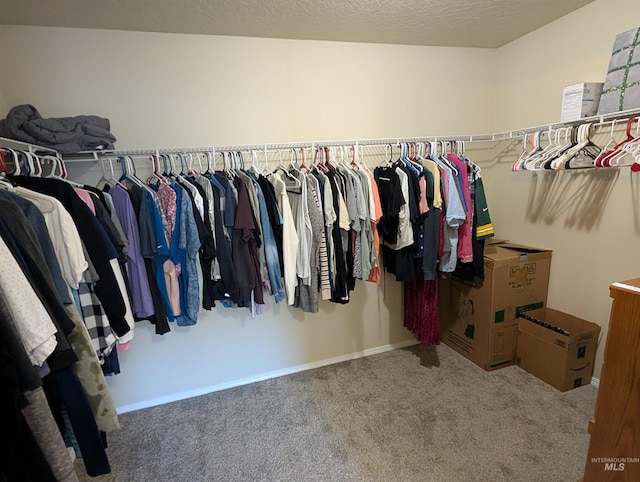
[65,134]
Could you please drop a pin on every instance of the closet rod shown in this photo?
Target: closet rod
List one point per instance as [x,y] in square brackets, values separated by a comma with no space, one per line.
[395,141]
[25,146]
[602,119]
[514,134]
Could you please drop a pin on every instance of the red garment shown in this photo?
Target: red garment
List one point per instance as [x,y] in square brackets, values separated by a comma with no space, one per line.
[421,309]
[168,204]
[465,246]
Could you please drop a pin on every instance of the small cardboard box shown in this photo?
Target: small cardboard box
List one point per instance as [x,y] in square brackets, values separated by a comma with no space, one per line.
[580,100]
[481,323]
[559,350]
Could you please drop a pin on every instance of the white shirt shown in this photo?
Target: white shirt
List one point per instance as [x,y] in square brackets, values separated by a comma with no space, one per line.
[30,318]
[289,237]
[64,235]
[128,336]
[405,230]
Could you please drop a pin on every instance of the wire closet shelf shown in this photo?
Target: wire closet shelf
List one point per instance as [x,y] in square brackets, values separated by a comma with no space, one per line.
[510,135]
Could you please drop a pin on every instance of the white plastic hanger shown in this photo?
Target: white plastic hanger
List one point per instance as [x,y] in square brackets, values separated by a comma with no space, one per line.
[626,150]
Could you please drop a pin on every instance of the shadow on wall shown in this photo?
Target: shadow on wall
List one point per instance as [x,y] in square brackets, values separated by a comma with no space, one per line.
[579,197]
[490,153]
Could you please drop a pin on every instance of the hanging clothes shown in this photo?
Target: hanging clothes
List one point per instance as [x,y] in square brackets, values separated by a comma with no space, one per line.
[99,249]
[142,302]
[290,238]
[244,252]
[20,250]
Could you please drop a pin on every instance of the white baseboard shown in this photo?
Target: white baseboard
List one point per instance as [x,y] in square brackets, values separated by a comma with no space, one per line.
[595,382]
[266,376]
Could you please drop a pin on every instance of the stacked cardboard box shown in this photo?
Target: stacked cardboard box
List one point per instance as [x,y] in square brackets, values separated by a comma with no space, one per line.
[481,323]
[506,321]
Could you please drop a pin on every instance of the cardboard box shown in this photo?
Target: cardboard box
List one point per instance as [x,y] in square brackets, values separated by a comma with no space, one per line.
[562,353]
[580,100]
[481,323]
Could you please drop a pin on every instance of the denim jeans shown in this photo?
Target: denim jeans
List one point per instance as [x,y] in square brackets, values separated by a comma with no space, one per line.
[270,250]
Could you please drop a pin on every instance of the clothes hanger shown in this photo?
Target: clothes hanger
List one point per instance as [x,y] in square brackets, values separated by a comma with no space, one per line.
[537,152]
[555,147]
[635,166]
[587,153]
[254,164]
[564,154]
[17,171]
[410,158]
[29,162]
[36,163]
[266,160]
[190,170]
[633,151]
[106,180]
[22,161]
[280,166]
[27,167]
[5,182]
[182,172]
[211,156]
[606,158]
[354,156]
[240,158]
[608,146]
[290,180]
[319,159]
[570,139]
[134,174]
[174,173]
[626,149]
[3,162]
[293,161]
[388,152]
[577,141]
[47,159]
[165,172]
[303,166]
[330,158]
[361,156]
[127,171]
[445,160]
[517,165]
[224,163]
[155,173]
[58,163]
[199,156]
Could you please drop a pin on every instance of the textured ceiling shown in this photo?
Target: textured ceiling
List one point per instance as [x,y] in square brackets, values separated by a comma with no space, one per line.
[455,23]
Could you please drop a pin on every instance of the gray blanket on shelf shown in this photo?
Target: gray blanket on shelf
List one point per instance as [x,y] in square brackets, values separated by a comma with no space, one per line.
[64,134]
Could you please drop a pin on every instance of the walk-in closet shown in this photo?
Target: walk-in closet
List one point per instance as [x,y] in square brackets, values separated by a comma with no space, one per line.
[319,241]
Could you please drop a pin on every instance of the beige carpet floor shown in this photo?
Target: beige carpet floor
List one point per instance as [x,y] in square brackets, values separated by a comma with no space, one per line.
[412,414]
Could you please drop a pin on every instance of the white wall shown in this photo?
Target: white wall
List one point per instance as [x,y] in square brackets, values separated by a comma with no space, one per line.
[162,90]
[3,105]
[593,221]
[170,90]
[179,90]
